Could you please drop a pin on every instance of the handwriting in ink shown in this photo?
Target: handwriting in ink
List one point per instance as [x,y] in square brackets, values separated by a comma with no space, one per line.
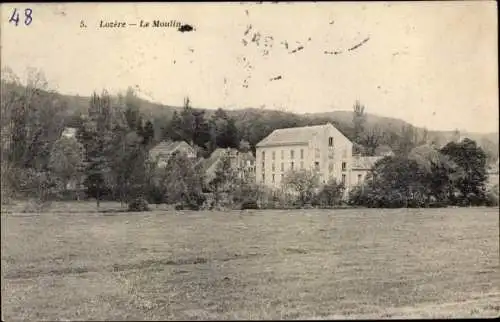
[28,18]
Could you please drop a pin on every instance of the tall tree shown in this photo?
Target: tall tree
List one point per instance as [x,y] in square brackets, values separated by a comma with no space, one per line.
[96,135]
[130,165]
[358,120]
[371,139]
[225,178]
[66,160]
[472,160]
[183,180]
[149,133]
[407,140]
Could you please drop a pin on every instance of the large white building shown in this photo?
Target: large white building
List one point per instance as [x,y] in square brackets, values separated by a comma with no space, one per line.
[322,148]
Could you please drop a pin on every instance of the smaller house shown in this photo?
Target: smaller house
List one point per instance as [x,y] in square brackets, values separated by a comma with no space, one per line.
[361,166]
[492,173]
[164,150]
[242,162]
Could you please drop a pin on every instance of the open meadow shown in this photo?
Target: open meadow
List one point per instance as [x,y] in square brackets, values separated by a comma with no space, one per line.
[273,264]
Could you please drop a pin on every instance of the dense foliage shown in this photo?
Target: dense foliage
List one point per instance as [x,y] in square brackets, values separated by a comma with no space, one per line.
[108,159]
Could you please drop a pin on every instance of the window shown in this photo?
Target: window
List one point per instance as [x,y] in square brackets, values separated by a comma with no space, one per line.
[263,178]
[272,167]
[302,153]
[330,141]
[291,154]
[316,165]
[343,179]
[282,167]
[263,155]
[291,165]
[343,166]
[273,177]
[359,178]
[330,167]
[282,176]
[274,155]
[282,154]
[263,167]
[302,164]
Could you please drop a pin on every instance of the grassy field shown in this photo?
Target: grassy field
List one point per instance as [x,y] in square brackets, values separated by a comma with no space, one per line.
[301,264]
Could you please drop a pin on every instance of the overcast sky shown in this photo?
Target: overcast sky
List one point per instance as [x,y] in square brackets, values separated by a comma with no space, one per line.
[432,64]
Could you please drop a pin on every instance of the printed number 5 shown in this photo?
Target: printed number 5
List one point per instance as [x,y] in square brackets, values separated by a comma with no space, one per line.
[27,17]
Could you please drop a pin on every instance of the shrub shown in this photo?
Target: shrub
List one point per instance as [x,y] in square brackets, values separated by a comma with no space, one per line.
[492,198]
[138,204]
[186,206]
[249,204]
[329,195]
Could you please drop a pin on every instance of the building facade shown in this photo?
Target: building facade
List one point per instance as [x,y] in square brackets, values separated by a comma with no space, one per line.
[321,148]
[361,167]
[242,162]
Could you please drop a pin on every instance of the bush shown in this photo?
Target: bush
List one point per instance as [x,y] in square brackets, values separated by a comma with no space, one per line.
[492,198]
[186,206]
[249,204]
[138,204]
[329,195]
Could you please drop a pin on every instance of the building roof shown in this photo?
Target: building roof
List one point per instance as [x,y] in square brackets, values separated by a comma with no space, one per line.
[247,156]
[220,152]
[365,163]
[166,148]
[294,135]
[213,158]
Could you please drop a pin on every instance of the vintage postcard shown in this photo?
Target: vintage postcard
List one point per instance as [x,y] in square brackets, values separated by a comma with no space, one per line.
[249,160]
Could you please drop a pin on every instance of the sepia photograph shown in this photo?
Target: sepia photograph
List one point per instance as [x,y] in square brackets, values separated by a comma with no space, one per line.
[249,161]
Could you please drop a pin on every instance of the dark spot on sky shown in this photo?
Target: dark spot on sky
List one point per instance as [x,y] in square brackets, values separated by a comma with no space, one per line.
[332,22]
[332,52]
[185,28]
[249,27]
[297,49]
[360,44]
[275,78]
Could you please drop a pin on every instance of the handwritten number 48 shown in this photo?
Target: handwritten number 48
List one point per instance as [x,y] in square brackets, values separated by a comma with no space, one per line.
[27,17]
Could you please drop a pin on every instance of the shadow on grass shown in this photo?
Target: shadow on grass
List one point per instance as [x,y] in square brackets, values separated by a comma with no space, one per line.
[155,264]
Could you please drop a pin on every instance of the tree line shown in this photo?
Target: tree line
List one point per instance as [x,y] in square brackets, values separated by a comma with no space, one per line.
[110,156]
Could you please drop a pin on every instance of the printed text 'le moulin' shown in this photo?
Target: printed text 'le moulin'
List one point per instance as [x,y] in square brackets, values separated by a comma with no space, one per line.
[143,24]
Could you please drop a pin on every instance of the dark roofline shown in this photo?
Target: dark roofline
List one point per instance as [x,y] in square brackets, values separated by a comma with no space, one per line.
[281,144]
